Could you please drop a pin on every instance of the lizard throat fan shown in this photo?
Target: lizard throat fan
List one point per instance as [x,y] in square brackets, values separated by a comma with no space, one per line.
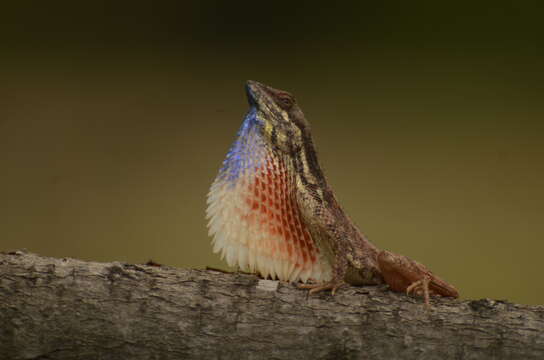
[252,208]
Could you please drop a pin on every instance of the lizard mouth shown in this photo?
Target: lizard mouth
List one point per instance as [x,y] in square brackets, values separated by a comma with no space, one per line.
[260,96]
[254,90]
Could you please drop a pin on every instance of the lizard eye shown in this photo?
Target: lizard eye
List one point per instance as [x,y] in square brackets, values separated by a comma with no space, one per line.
[285,101]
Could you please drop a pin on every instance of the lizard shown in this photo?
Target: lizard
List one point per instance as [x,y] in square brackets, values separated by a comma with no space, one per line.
[271,210]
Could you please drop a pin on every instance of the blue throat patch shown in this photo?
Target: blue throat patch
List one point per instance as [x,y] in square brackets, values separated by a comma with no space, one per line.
[246,152]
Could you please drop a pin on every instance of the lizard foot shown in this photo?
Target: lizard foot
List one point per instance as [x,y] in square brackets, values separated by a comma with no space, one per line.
[314,288]
[403,274]
[420,287]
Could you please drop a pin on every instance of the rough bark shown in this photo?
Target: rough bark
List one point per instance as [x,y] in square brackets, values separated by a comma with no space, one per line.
[70,309]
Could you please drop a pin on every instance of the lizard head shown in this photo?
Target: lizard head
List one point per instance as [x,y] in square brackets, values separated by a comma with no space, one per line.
[276,111]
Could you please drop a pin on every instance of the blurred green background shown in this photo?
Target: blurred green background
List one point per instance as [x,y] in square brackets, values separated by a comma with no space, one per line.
[115,117]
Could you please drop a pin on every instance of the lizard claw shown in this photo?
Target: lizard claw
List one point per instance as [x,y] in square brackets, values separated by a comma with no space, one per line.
[315,288]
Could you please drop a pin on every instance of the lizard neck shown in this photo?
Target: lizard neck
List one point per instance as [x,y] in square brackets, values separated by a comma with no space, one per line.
[306,164]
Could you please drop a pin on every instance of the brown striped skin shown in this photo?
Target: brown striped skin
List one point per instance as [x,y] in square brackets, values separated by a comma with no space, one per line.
[353,258]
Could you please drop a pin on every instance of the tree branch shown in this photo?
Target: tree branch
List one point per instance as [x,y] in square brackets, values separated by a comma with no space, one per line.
[65,309]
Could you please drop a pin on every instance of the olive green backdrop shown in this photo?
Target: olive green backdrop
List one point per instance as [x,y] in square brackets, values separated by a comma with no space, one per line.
[114,119]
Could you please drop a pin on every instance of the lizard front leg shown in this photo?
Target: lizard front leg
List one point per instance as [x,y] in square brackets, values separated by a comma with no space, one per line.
[339,272]
[403,274]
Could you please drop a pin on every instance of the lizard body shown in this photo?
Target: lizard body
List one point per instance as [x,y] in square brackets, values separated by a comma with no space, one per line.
[272,211]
